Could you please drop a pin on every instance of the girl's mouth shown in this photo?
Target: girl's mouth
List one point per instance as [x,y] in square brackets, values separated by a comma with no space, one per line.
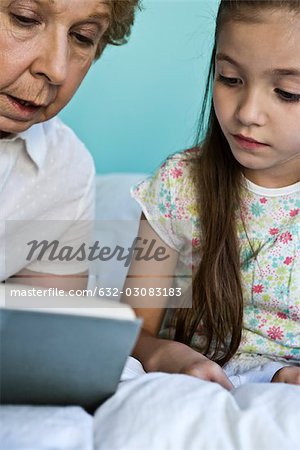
[248,143]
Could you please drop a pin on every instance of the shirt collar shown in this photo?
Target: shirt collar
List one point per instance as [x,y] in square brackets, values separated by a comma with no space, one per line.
[36,143]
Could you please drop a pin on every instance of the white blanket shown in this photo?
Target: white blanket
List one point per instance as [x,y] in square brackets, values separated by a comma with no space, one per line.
[160,412]
[45,428]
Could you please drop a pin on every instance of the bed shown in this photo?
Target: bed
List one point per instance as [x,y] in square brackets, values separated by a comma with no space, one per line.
[155,411]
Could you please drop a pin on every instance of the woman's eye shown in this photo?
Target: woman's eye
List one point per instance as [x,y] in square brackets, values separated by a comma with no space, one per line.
[228,81]
[288,96]
[83,40]
[24,21]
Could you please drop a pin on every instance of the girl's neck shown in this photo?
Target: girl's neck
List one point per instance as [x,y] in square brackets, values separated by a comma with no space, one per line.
[274,182]
[272,192]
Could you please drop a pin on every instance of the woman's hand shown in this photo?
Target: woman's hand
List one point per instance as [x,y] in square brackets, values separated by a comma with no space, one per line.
[289,375]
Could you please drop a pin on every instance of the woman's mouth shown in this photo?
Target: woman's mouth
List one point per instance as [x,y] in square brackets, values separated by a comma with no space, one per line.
[25,108]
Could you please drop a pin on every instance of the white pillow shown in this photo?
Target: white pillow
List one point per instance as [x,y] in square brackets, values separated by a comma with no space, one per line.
[113,199]
[117,220]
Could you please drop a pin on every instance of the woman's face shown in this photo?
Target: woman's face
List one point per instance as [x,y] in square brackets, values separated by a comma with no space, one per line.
[256,95]
[46,49]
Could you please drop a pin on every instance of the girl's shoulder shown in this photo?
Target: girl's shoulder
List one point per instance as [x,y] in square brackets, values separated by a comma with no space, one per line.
[168,199]
[172,175]
[171,188]
[182,159]
[176,170]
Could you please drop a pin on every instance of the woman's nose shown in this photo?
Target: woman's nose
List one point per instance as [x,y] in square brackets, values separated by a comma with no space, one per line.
[52,59]
[251,109]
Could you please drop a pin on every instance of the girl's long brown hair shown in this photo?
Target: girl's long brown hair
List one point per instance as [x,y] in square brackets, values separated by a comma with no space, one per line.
[217,287]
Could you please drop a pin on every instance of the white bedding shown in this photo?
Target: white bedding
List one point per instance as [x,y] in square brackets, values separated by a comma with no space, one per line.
[157,411]
[160,412]
[45,428]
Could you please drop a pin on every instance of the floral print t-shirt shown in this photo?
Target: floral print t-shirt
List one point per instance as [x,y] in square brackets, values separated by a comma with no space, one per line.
[271,280]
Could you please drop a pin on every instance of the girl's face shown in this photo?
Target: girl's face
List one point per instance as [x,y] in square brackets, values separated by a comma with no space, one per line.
[46,48]
[256,95]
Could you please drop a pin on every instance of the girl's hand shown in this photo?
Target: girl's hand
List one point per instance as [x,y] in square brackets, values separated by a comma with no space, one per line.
[289,375]
[163,355]
[175,357]
[209,371]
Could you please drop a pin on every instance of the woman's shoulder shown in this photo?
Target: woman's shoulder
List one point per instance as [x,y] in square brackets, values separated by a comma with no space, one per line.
[66,151]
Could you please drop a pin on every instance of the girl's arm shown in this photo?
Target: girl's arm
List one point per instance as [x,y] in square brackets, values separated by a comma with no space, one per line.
[154,353]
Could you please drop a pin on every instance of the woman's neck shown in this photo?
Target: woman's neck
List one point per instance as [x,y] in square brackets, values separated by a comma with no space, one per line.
[3,134]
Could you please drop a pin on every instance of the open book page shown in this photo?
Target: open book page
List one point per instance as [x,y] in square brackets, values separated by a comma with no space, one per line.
[56,301]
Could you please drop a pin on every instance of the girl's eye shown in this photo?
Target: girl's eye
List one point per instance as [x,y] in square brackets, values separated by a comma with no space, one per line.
[288,96]
[228,81]
[83,40]
[24,21]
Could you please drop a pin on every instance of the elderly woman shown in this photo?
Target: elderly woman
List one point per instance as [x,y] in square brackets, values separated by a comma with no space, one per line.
[46,174]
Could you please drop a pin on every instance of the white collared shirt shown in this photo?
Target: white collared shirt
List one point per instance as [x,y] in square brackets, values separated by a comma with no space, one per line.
[46,178]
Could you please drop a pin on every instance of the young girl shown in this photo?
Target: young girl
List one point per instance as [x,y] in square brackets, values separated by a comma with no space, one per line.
[240,192]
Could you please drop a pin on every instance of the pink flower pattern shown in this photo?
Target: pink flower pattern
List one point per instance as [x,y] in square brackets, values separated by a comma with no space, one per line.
[258,288]
[294,212]
[285,237]
[176,172]
[275,333]
[288,260]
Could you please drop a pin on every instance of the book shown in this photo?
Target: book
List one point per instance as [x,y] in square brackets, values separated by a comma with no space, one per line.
[62,352]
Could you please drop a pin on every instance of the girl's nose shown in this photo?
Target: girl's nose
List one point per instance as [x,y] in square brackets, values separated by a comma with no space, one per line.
[52,59]
[251,109]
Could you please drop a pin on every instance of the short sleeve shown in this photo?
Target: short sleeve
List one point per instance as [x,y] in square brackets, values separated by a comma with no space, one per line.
[165,201]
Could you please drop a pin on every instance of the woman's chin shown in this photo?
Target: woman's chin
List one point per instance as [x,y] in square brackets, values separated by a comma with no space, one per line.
[9,127]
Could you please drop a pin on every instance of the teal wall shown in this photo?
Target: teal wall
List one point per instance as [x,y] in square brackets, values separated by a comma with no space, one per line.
[140,102]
